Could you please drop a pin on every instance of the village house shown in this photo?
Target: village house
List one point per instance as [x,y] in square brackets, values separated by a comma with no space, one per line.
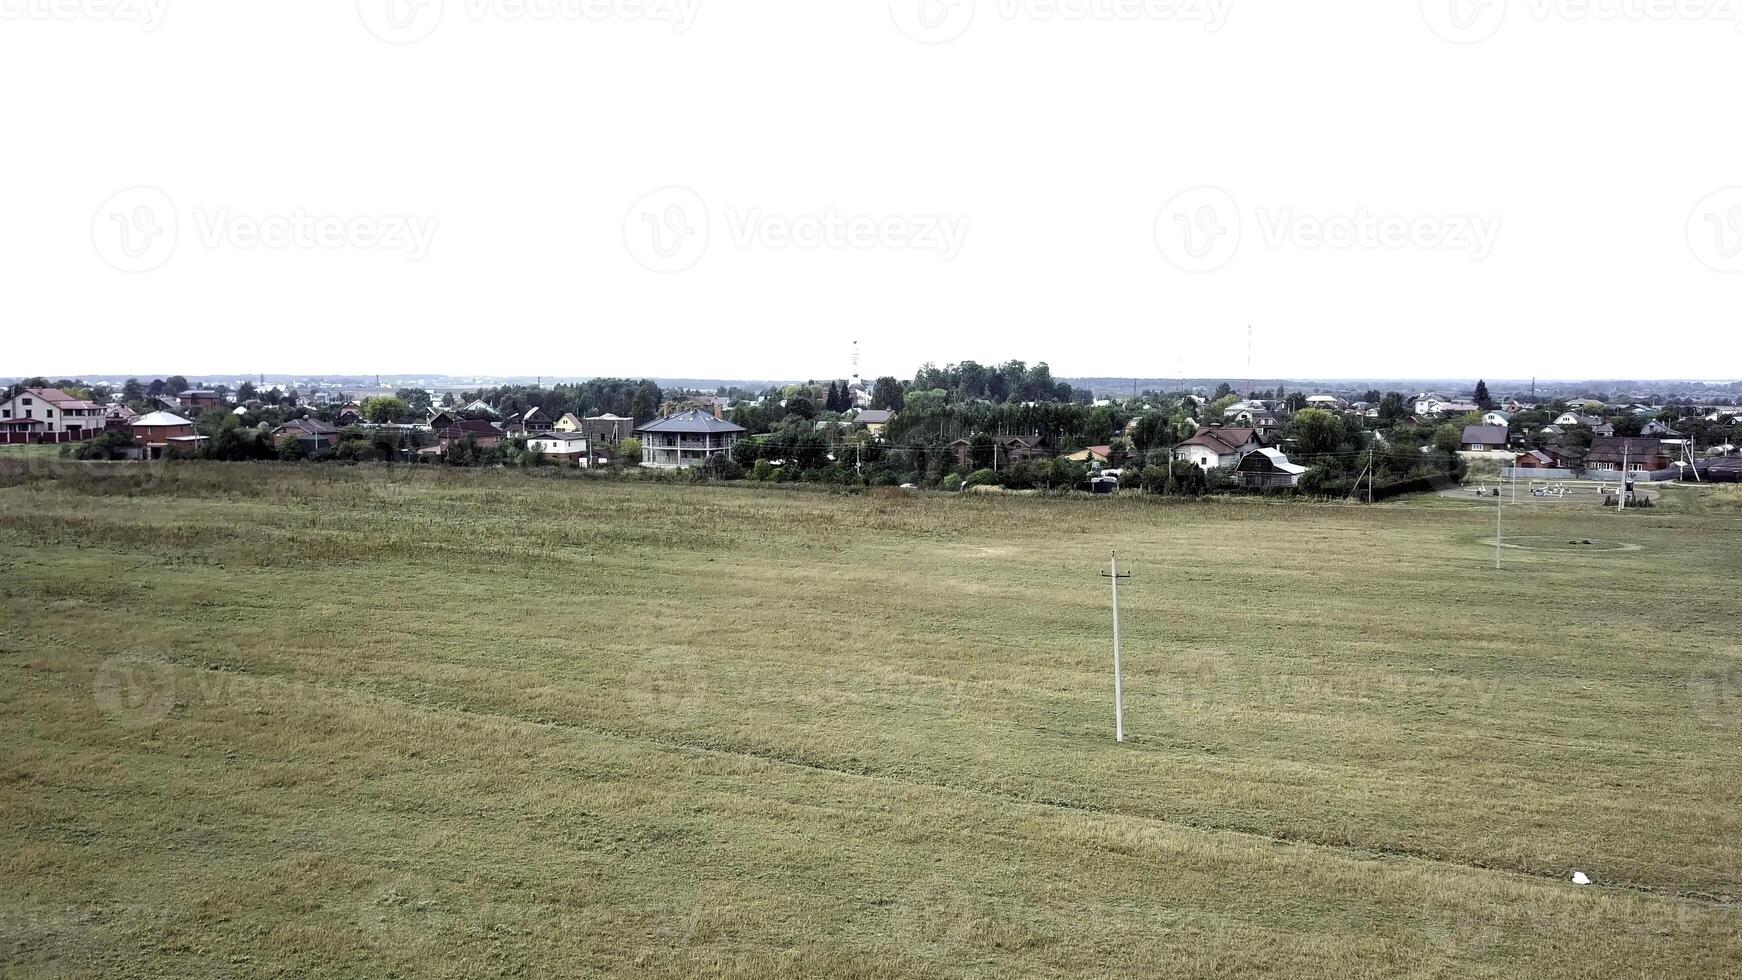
[1497,418]
[1482,439]
[63,417]
[1218,448]
[1640,457]
[1268,468]
[535,420]
[874,420]
[201,398]
[687,439]
[311,435]
[604,432]
[1094,456]
[570,422]
[161,432]
[117,416]
[1006,449]
[1578,418]
[565,448]
[484,434]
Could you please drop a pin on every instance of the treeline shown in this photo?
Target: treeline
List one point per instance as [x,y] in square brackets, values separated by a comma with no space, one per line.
[1012,381]
[630,399]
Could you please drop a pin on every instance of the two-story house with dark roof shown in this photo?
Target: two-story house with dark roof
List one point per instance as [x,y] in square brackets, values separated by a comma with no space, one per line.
[686,439]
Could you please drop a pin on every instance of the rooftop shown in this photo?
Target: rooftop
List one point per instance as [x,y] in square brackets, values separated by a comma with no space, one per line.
[694,421]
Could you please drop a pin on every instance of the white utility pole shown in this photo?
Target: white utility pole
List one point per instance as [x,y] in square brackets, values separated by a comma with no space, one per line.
[1499,500]
[1118,680]
[1624,463]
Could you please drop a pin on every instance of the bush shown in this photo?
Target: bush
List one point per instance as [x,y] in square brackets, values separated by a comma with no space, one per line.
[951,483]
[109,445]
[980,478]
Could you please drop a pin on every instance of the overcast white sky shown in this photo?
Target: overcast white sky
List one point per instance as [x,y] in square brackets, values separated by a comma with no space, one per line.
[700,188]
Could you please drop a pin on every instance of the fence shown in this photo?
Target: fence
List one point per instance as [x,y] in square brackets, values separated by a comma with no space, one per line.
[1536,473]
[11,437]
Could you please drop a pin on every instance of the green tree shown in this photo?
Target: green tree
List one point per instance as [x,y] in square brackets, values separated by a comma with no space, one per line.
[1482,400]
[385,409]
[629,452]
[887,394]
[415,399]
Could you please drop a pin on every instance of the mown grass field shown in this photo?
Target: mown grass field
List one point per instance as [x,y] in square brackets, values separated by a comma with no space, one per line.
[284,722]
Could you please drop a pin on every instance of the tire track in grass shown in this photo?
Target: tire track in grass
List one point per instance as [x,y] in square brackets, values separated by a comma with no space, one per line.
[679,743]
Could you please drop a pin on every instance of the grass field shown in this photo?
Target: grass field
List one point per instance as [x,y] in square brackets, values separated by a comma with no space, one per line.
[276,722]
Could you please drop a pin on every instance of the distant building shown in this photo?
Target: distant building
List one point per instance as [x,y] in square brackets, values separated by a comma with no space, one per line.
[1213,449]
[161,432]
[1006,449]
[686,439]
[1267,468]
[565,448]
[481,432]
[57,411]
[1482,439]
[1639,457]
[606,431]
[201,398]
[873,420]
[1094,456]
[311,435]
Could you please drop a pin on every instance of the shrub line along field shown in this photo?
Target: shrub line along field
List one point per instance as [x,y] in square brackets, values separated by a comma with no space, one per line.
[306,721]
